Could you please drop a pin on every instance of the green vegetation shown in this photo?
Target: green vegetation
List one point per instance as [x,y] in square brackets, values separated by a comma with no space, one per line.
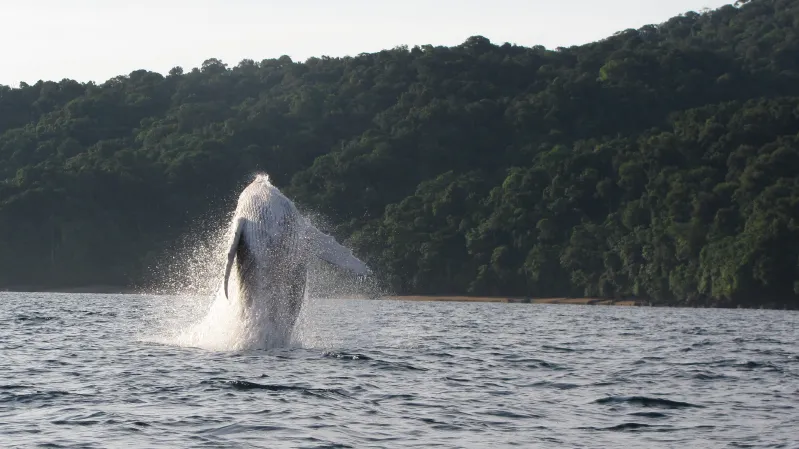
[661,163]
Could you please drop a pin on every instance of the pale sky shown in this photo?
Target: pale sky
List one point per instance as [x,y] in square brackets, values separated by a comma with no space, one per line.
[99,39]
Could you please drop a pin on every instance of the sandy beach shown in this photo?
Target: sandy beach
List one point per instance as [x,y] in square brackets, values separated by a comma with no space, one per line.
[580,301]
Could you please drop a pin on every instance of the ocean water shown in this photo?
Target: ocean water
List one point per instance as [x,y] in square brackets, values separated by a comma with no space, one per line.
[108,371]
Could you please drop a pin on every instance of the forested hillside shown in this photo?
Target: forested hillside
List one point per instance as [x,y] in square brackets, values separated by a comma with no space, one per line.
[661,162]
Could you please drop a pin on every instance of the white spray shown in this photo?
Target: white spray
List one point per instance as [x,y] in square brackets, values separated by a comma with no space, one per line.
[263,255]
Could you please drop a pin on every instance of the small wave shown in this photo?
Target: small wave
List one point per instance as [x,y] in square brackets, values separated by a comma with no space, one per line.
[345,356]
[34,319]
[758,340]
[644,401]
[391,366]
[406,397]
[327,445]
[244,385]
[650,414]
[709,376]
[559,348]
[538,363]
[379,364]
[239,428]
[106,314]
[556,385]
[641,427]
[67,422]
[756,365]
[438,425]
[715,363]
[14,387]
[775,352]
[456,379]
[508,414]
[26,398]
[627,426]
[421,404]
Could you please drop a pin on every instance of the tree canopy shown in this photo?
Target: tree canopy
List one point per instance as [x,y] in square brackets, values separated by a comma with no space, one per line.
[661,162]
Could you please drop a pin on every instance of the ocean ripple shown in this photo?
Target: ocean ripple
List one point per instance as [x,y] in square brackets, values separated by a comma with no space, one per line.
[104,371]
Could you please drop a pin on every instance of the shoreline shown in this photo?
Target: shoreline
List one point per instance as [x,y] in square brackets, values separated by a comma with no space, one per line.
[519,300]
[98,289]
[110,290]
[588,301]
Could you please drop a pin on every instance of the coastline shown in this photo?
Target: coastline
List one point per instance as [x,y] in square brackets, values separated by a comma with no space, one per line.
[111,290]
[519,300]
[587,301]
[99,289]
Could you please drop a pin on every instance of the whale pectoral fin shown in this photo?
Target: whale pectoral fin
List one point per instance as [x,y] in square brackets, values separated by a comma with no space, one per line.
[231,254]
[326,247]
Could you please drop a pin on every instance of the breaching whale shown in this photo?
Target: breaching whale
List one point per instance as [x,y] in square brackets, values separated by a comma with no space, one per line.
[270,250]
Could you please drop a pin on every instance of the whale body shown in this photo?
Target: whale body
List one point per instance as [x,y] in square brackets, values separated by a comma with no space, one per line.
[270,250]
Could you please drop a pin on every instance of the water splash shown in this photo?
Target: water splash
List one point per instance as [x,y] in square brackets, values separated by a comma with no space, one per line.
[201,316]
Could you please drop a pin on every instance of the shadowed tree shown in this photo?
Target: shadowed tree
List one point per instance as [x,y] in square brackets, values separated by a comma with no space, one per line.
[659,162]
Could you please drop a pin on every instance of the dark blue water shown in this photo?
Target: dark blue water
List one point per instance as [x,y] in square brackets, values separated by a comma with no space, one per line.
[100,371]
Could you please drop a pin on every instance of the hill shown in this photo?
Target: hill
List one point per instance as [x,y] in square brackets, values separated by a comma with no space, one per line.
[660,163]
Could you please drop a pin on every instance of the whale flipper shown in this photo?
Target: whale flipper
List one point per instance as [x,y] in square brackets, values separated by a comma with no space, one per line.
[231,254]
[326,247]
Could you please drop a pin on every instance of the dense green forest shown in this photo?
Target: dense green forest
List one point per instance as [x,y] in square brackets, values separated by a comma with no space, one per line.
[660,163]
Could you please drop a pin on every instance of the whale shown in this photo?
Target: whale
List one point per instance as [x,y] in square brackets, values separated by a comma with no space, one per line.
[270,250]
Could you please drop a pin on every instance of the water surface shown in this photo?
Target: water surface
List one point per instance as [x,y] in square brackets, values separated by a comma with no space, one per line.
[102,371]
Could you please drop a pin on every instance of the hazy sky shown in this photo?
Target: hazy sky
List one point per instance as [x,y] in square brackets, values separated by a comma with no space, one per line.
[98,39]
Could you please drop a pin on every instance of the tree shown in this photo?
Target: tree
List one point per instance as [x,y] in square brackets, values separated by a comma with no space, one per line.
[658,162]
